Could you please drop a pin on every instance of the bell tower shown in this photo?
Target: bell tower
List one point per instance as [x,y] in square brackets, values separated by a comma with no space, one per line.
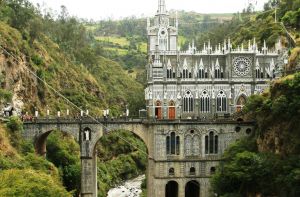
[161,32]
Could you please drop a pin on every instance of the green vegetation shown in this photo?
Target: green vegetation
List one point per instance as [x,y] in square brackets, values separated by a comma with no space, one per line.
[249,173]
[61,51]
[22,173]
[20,168]
[29,183]
[267,164]
[5,96]
[119,161]
[64,152]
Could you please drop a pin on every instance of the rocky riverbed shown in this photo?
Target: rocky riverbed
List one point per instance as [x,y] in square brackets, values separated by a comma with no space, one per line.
[131,188]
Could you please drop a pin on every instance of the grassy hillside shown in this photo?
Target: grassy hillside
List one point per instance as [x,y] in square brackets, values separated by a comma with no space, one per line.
[22,172]
[72,65]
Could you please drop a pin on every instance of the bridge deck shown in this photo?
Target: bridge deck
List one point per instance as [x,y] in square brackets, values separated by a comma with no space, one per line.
[133,121]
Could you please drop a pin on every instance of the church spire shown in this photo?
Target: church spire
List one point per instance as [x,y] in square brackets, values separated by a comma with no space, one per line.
[161,7]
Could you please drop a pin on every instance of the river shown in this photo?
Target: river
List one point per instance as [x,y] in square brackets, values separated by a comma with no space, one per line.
[130,188]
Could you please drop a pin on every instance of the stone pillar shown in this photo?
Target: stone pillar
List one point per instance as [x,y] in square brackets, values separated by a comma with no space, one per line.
[87,181]
[88,169]
[181,187]
[150,177]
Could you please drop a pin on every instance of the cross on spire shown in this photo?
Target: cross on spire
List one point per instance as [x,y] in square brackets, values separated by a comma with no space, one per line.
[161,7]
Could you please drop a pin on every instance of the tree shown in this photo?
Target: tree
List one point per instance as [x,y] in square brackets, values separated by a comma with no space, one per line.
[29,183]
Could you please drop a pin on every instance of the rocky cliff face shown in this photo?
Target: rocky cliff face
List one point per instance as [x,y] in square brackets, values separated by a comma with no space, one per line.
[16,78]
[105,85]
[46,60]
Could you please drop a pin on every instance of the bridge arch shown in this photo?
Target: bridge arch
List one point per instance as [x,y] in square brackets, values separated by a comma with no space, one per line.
[40,139]
[137,129]
[88,150]
[87,133]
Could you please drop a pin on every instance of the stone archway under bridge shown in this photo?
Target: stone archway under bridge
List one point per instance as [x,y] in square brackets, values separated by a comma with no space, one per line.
[87,133]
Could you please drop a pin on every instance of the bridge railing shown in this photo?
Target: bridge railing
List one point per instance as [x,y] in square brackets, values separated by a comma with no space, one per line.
[71,120]
[79,119]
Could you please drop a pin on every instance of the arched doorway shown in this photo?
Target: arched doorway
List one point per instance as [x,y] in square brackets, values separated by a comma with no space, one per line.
[158,110]
[172,189]
[240,103]
[172,110]
[192,189]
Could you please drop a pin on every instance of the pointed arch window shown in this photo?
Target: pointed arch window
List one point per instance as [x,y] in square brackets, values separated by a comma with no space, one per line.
[201,73]
[257,73]
[262,75]
[173,144]
[186,74]
[188,145]
[221,102]
[169,73]
[206,74]
[205,102]
[217,73]
[196,145]
[188,102]
[222,73]
[192,144]
[211,143]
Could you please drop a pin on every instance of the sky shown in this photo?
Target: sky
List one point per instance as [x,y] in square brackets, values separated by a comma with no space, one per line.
[116,9]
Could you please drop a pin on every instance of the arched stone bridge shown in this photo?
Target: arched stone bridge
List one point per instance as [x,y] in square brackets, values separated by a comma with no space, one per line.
[87,132]
[154,134]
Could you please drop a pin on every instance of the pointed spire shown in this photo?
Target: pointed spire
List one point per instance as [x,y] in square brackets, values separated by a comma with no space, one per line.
[161,7]
[201,65]
[176,23]
[185,65]
[217,64]
[249,45]
[254,44]
[265,49]
[278,46]
[242,47]
[169,65]
[148,22]
[193,44]
[257,66]
[272,64]
[212,69]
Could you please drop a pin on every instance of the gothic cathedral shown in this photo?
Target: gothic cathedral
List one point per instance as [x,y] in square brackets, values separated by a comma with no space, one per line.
[201,84]
[191,97]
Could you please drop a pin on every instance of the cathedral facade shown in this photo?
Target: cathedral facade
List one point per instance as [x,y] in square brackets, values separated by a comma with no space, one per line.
[191,96]
[196,84]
